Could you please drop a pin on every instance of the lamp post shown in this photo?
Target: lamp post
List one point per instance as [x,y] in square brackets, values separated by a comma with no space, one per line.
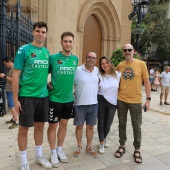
[148,48]
[139,11]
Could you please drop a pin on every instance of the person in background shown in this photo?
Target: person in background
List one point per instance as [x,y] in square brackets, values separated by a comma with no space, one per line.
[164,80]
[151,77]
[8,78]
[32,102]
[156,81]
[107,99]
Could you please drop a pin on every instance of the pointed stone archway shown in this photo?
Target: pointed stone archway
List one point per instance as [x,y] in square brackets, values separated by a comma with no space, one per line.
[107,16]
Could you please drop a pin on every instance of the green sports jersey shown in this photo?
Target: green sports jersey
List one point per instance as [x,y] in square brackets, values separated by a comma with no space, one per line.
[34,64]
[62,70]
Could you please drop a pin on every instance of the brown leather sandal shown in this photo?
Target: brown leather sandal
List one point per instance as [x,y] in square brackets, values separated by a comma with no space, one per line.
[119,152]
[137,157]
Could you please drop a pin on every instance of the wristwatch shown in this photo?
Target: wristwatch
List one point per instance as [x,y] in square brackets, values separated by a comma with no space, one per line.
[148,98]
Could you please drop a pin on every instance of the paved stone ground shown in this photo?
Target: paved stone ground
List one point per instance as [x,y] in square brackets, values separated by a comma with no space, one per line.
[155,145]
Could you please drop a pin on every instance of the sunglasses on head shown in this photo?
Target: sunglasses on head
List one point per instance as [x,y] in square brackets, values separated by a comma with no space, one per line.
[129,50]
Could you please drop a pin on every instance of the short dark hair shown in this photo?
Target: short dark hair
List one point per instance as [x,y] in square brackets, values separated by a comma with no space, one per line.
[67,34]
[91,52]
[6,59]
[40,25]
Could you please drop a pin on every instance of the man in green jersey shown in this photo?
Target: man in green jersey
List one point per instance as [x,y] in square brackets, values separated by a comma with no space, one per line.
[31,102]
[62,68]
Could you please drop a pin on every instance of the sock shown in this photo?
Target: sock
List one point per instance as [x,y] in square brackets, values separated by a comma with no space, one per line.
[39,151]
[23,155]
[54,151]
[59,148]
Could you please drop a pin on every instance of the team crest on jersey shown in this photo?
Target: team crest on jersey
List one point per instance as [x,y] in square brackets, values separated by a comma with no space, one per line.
[128,73]
[74,62]
[59,61]
[33,55]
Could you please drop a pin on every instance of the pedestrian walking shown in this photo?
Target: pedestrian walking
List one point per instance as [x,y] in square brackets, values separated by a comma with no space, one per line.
[164,80]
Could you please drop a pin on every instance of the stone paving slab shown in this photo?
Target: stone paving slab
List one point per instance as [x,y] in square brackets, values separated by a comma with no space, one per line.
[155,147]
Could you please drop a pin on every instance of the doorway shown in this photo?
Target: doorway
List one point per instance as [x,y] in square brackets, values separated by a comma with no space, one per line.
[92,38]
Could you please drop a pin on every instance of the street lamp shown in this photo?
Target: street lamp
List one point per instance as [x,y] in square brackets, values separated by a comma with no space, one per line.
[139,11]
[148,48]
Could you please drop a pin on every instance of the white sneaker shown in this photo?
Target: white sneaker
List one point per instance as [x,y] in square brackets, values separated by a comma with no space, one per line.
[25,166]
[106,145]
[44,162]
[54,160]
[62,156]
[101,148]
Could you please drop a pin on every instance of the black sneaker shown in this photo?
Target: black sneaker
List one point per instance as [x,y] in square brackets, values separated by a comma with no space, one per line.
[14,125]
[9,121]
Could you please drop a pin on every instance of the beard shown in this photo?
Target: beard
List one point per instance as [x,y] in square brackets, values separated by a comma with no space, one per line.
[67,50]
[128,56]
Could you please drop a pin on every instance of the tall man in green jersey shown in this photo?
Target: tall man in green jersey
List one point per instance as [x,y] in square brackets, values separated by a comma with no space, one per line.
[62,68]
[31,103]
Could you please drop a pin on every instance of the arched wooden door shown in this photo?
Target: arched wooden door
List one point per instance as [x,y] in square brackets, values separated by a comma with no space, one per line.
[92,38]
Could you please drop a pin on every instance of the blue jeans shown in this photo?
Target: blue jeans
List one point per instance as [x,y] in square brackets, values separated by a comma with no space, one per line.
[10,99]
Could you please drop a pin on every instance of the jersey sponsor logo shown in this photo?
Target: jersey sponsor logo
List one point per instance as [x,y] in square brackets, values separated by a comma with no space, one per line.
[33,55]
[59,61]
[128,73]
[67,70]
[40,64]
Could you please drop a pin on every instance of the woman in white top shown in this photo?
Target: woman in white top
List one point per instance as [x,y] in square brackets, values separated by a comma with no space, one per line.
[109,80]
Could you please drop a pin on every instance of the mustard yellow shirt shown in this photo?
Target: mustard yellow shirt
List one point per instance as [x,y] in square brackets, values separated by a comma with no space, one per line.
[130,89]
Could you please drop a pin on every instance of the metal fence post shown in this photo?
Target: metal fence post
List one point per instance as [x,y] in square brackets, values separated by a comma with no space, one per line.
[3,16]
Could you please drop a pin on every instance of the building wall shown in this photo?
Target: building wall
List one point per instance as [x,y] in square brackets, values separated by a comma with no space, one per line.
[66,15]
[69,16]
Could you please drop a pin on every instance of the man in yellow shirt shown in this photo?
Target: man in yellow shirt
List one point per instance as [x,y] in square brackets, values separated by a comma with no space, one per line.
[133,72]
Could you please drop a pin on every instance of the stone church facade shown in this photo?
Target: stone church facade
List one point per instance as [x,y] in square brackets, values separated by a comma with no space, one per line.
[99,25]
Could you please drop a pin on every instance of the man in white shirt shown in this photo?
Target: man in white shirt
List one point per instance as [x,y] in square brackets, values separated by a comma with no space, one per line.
[164,79]
[86,104]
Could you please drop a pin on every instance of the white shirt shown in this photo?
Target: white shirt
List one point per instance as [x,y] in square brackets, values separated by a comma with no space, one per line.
[152,73]
[108,87]
[165,78]
[85,86]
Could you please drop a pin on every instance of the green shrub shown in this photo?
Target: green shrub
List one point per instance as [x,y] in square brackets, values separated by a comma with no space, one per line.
[117,56]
